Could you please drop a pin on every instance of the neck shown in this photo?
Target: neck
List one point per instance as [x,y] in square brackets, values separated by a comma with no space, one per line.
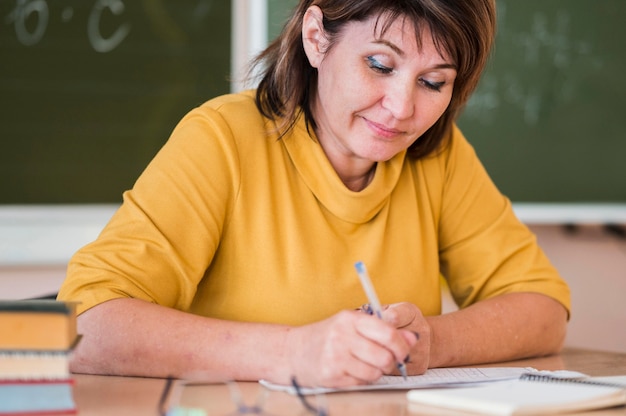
[359,182]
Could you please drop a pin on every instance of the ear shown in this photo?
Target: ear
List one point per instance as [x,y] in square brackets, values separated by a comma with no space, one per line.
[313,35]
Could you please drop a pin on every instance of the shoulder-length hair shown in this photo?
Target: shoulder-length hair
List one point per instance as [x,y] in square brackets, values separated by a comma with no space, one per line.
[463,29]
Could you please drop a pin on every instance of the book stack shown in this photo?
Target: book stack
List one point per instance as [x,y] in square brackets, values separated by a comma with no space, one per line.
[36,340]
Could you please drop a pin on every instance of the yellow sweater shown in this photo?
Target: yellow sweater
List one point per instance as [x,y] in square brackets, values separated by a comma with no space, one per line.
[231,222]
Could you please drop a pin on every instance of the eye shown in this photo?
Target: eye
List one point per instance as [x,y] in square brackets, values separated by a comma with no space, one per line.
[433,86]
[374,64]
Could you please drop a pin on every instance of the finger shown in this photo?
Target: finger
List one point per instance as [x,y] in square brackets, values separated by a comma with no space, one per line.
[411,337]
[355,377]
[362,371]
[383,336]
[419,356]
[378,358]
[350,370]
[373,356]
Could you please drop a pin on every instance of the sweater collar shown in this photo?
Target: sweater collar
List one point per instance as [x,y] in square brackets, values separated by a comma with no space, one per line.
[316,171]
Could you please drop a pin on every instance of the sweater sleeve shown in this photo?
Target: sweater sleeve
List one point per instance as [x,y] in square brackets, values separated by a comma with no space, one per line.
[484,249]
[160,242]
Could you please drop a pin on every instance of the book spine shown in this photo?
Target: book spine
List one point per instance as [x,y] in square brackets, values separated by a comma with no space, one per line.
[38,306]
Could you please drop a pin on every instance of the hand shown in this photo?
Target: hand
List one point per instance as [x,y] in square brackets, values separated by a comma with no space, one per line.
[346,349]
[409,317]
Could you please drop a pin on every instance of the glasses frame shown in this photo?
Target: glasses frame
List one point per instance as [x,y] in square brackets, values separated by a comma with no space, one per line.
[169,401]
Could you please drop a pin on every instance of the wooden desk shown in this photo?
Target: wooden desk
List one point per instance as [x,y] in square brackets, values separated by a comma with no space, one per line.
[102,395]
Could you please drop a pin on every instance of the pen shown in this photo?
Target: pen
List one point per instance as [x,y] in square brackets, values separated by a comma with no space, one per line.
[372,298]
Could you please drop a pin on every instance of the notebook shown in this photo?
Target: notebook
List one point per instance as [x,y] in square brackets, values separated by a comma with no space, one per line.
[434,377]
[531,394]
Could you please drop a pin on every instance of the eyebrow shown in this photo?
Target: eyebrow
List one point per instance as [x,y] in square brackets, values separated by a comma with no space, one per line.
[401,53]
[390,45]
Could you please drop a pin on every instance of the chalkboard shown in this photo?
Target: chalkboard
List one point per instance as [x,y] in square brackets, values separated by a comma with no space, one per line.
[278,12]
[547,119]
[91,89]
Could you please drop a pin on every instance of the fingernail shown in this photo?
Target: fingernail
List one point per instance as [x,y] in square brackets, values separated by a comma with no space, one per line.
[417,335]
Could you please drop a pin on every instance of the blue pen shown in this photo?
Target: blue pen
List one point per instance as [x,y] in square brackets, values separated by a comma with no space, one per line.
[372,298]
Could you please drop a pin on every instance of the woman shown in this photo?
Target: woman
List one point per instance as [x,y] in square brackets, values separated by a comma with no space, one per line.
[233,254]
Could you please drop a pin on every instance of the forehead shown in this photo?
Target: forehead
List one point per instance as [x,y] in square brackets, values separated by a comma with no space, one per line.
[385,24]
[397,28]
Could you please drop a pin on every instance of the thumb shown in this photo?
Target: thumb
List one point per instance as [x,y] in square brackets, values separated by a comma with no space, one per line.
[401,315]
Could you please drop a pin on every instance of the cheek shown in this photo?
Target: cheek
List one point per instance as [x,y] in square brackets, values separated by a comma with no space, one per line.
[352,83]
[436,107]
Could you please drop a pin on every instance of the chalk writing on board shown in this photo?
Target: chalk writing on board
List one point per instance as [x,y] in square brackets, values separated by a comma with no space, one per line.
[30,19]
[545,46]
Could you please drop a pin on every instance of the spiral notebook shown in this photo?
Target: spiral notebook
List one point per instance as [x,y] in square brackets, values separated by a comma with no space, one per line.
[531,394]
[432,378]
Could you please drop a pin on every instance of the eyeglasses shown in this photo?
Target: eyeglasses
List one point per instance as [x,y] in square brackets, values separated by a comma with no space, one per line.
[191,397]
[320,409]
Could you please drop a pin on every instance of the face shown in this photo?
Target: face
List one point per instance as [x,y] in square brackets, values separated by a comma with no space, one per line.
[377,93]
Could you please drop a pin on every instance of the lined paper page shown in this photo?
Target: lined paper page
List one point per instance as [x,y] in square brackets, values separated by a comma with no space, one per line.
[436,377]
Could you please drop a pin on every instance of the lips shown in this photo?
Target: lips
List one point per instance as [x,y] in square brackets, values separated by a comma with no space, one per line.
[382,130]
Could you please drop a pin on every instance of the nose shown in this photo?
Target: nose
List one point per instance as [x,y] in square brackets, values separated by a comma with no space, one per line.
[399,100]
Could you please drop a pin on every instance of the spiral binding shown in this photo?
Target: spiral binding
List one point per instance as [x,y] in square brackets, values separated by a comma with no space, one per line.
[551,379]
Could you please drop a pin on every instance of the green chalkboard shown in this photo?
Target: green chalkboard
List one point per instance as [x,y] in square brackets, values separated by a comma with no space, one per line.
[91,89]
[278,12]
[547,119]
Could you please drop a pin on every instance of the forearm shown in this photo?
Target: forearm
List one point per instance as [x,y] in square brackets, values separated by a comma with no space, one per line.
[133,337]
[506,327]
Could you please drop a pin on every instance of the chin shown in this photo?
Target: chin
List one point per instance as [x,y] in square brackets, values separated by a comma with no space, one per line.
[383,156]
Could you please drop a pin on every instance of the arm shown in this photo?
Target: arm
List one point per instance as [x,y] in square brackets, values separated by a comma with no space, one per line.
[502,328]
[134,337]
[513,304]
[511,326]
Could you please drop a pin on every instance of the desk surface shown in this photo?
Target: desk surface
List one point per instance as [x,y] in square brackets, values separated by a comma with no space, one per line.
[102,395]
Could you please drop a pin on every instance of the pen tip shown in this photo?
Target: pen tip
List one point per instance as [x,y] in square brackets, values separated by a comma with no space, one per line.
[402,369]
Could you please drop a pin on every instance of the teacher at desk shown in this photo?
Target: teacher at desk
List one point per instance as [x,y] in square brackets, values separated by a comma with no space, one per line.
[234,252]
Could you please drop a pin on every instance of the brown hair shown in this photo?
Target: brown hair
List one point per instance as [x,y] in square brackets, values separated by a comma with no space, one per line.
[463,29]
